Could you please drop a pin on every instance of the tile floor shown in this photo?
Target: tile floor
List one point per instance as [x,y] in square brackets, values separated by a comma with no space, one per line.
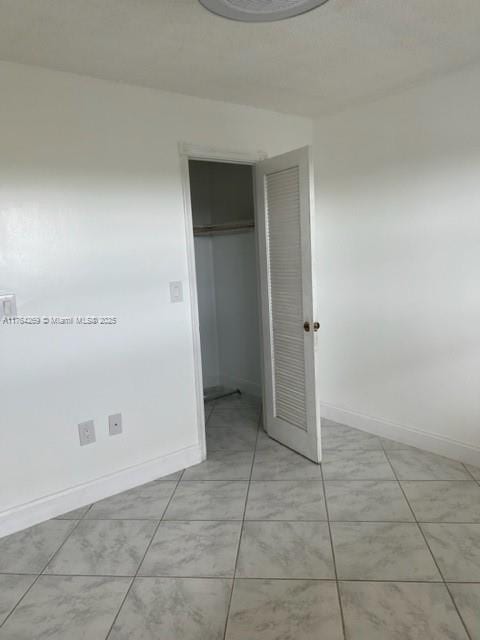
[382,542]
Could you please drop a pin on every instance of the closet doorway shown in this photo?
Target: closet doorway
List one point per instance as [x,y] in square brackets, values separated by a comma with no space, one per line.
[222,202]
[252,287]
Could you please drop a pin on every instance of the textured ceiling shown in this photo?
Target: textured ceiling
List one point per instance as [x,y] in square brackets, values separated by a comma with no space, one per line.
[345,52]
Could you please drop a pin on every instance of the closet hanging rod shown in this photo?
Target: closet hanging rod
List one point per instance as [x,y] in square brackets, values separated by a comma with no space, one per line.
[208,229]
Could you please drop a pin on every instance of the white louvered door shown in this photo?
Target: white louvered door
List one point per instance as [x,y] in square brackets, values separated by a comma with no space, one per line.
[289,323]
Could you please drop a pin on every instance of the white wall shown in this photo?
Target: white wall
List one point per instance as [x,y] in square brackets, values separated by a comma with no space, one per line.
[92,222]
[237,311]
[398,206]
[200,175]
[207,310]
[226,267]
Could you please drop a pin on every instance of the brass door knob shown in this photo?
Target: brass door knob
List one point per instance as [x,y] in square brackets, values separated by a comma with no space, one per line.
[316,326]
[306,326]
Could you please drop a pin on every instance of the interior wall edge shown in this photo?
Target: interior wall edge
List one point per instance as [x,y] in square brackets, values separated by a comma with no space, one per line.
[52,506]
[428,441]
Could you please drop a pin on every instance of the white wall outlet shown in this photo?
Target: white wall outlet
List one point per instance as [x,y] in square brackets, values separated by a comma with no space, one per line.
[115,424]
[176,291]
[86,432]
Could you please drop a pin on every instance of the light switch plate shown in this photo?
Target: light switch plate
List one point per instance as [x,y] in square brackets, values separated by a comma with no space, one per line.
[115,424]
[176,291]
[8,305]
[86,433]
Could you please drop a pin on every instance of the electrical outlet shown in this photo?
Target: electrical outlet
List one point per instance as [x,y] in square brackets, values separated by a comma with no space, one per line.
[86,432]
[115,424]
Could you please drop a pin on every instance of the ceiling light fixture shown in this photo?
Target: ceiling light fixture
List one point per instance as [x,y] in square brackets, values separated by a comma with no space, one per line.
[260,10]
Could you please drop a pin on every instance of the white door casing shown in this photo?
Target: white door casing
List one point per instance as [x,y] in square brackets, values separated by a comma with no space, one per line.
[284,210]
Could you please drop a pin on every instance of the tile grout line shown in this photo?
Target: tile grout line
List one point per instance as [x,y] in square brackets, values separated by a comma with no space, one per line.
[430,550]
[273,520]
[259,419]
[211,409]
[143,558]
[337,584]
[331,479]
[193,577]
[51,557]
[339,479]
[471,474]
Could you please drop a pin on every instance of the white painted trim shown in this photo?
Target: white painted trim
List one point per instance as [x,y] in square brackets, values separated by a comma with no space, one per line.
[188,152]
[31,513]
[435,443]
[194,313]
[198,152]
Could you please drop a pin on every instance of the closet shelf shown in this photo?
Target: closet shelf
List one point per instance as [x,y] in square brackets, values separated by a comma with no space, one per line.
[212,229]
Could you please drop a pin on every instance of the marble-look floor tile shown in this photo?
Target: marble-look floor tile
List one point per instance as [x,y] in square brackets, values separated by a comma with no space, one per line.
[342,438]
[57,608]
[285,550]
[239,418]
[475,471]
[393,445]
[222,465]
[76,514]
[456,548]
[265,442]
[147,502]
[286,500]
[284,610]
[29,550]
[230,439]
[443,500]
[467,599]
[367,500]
[395,610]
[174,608]
[326,423]
[356,465]
[104,548]
[421,465]
[208,408]
[208,501]
[171,477]
[280,463]
[239,402]
[12,588]
[193,549]
[382,551]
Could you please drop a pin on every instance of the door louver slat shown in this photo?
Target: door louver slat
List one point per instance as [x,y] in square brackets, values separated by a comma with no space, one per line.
[285,294]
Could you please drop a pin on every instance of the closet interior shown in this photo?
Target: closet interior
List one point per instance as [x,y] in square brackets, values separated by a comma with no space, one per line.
[226,267]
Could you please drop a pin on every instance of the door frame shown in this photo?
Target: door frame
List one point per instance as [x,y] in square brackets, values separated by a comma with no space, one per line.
[188,152]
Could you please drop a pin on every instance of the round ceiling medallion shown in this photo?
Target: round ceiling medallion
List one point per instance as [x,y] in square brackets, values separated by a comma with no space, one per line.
[260,10]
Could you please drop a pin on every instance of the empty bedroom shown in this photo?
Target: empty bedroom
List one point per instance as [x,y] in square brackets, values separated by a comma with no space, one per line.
[239,320]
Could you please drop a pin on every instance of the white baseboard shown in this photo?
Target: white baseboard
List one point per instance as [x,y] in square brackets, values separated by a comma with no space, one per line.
[51,506]
[414,437]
